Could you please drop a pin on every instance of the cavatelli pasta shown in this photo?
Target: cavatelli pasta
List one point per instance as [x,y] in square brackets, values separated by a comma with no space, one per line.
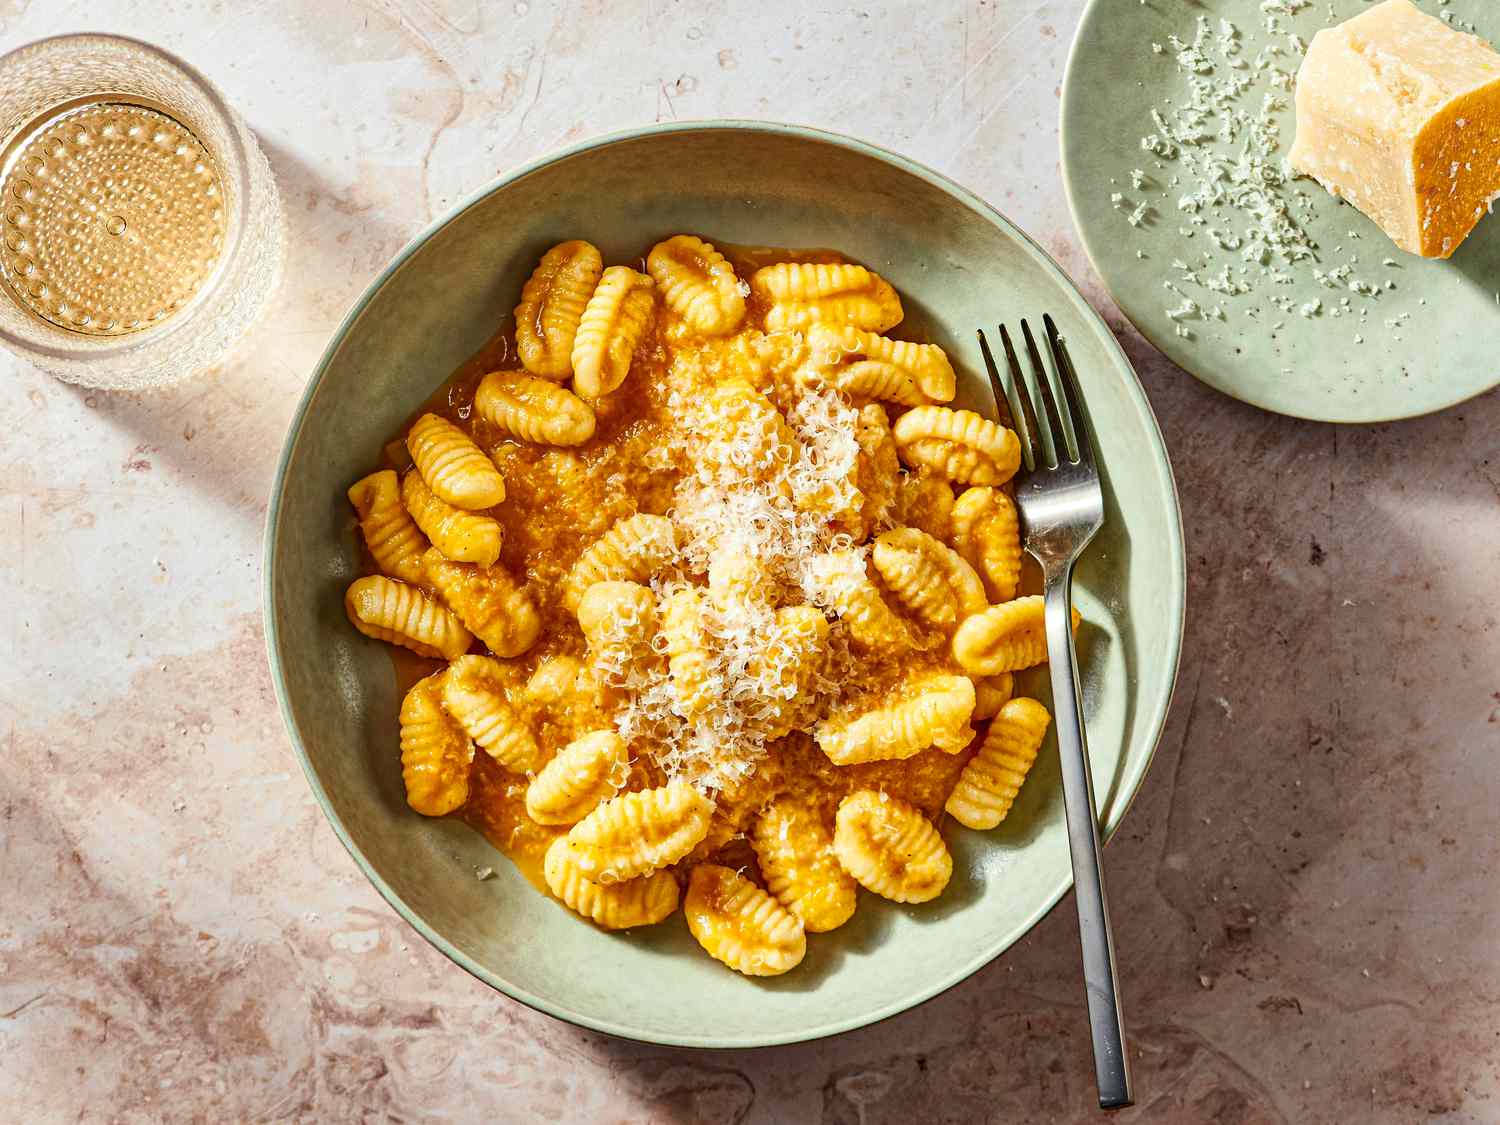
[552,304]
[492,604]
[698,284]
[890,848]
[958,444]
[740,925]
[533,409]
[613,325]
[392,611]
[459,535]
[456,469]
[993,776]
[801,294]
[611,906]
[473,691]
[394,541]
[435,752]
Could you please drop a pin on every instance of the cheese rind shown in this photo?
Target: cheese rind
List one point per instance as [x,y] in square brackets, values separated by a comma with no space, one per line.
[1400,114]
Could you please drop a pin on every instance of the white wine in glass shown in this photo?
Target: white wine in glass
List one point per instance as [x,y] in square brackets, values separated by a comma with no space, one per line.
[141,227]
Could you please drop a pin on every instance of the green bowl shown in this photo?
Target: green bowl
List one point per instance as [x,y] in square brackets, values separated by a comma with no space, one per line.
[959,265]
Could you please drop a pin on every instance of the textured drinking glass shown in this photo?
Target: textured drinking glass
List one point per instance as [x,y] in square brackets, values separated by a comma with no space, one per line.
[141,232]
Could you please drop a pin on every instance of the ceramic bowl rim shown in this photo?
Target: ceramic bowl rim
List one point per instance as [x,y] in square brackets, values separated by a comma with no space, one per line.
[1175,589]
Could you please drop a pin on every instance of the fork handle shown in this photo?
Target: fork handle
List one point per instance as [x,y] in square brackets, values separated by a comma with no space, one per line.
[1111,1064]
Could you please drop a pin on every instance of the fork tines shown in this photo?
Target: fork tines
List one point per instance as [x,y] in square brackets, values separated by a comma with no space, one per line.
[1065,438]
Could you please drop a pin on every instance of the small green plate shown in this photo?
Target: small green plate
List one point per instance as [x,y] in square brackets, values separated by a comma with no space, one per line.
[1292,347]
[958,265]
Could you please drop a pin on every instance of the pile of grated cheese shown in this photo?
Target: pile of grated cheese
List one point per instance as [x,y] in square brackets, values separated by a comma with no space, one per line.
[758,493]
[1216,168]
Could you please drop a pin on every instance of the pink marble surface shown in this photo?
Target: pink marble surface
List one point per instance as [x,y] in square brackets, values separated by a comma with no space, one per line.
[1304,893]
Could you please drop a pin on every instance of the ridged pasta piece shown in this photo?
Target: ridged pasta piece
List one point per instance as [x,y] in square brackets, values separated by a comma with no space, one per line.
[792,663]
[987,533]
[459,535]
[612,906]
[795,853]
[744,435]
[635,834]
[618,620]
[802,294]
[688,659]
[934,710]
[456,469]
[533,409]
[890,848]
[842,584]
[552,304]
[614,322]
[1008,637]
[435,752]
[392,611]
[395,542]
[992,693]
[738,582]
[698,284]
[474,694]
[740,925]
[894,370]
[495,607]
[632,550]
[585,773]
[568,692]
[993,776]
[911,565]
[958,444]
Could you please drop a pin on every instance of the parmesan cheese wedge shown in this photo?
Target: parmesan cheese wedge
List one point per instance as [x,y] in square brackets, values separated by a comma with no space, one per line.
[1399,114]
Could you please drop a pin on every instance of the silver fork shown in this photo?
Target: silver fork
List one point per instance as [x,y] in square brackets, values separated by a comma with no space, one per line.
[1061,507]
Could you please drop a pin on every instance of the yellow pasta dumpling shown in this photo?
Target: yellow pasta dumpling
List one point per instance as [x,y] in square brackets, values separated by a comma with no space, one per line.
[744,434]
[688,658]
[461,536]
[787,668]
[992,693]
[866,363]
[931,710]
[613,325]
[1004,638]
[632,550]
[392,611]
[801,294]
[740,925]
[533,409]
[456,469]
[842,584]
[474,694]
[987,534]
[584,774]
[435,752]
[911,564]
[958,444]
[495,607]
[795,853]
[552,304]
[612,906]
[637,833]
[698,284]
[618,620]
[890,848]
[738,583]
[993,776]
[395,542]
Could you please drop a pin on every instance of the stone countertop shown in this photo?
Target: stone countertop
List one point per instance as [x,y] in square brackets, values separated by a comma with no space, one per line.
[1304,893]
